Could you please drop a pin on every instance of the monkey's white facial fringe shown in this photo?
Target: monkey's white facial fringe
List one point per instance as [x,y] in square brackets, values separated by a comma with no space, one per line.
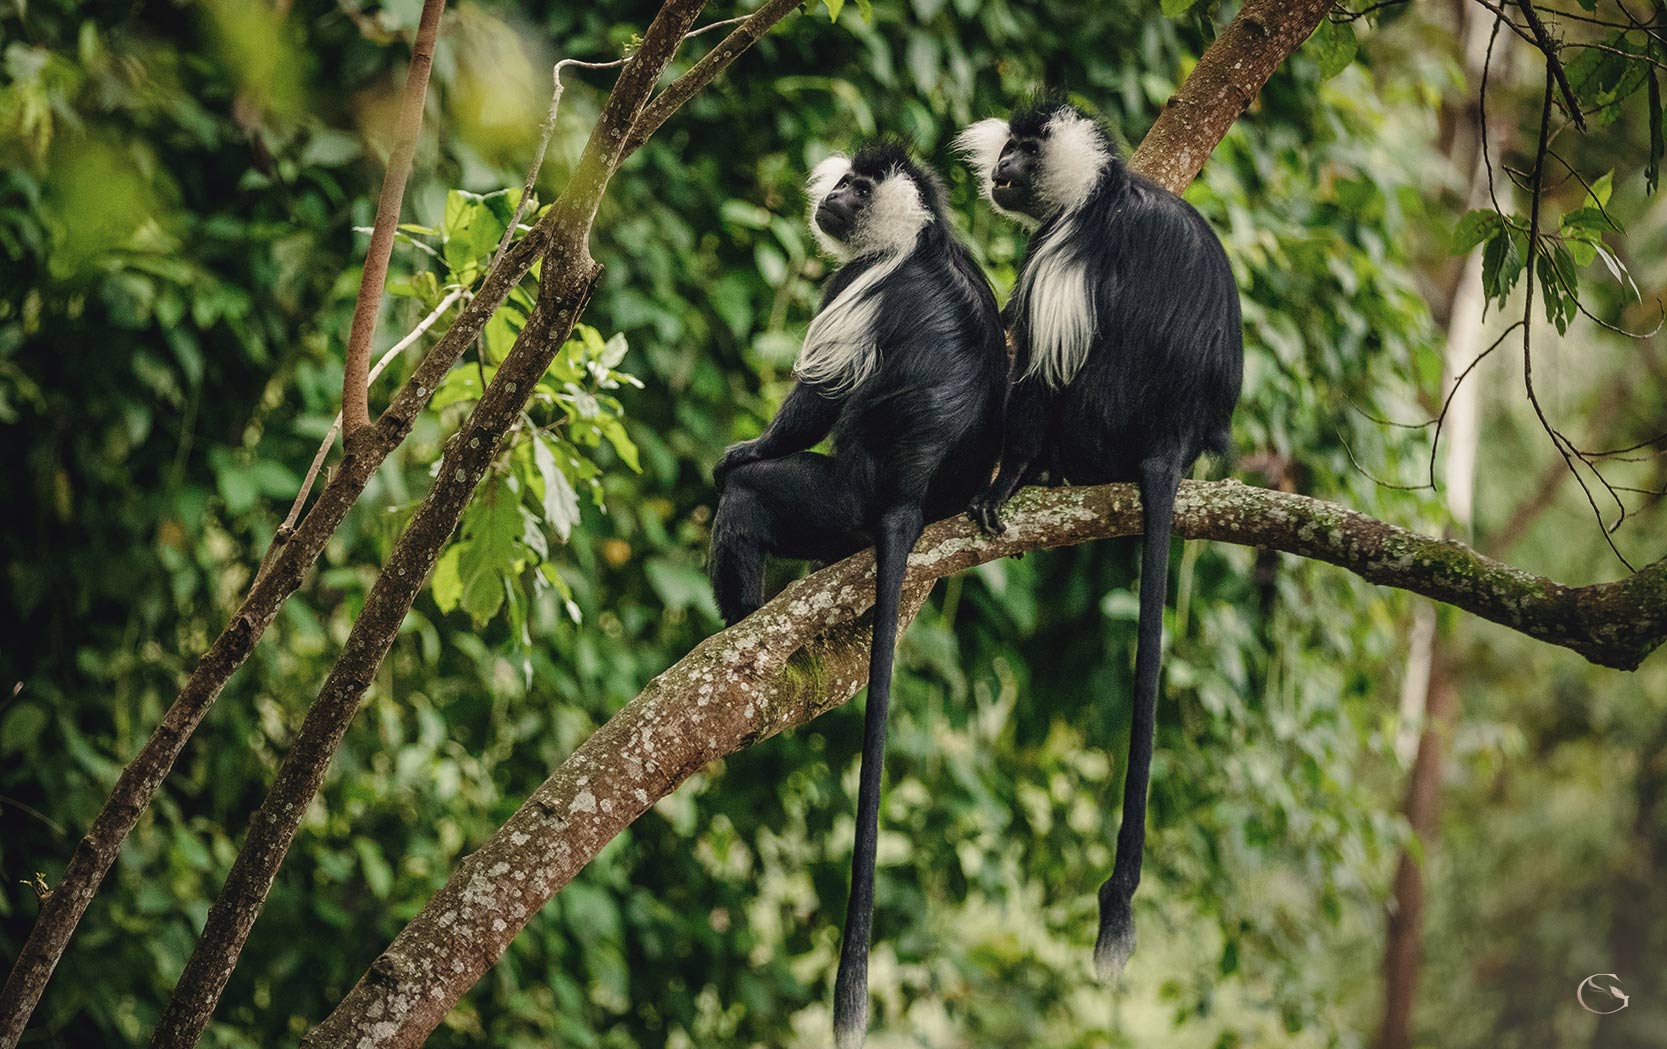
[1074,155]
[823,178]
[840,350]
[1059,306]
[980,145]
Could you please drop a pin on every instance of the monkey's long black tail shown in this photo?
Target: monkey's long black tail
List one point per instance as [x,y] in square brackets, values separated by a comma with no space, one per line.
[897,534]
[1159,479]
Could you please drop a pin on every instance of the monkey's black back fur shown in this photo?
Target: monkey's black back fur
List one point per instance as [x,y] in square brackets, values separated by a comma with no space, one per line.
[1165,370]
[912,441]
[1156,387]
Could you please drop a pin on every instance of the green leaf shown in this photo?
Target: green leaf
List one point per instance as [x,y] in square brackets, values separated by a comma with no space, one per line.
[1334,45]
[559,501]
[447,584]
[1584,252]
[22,728]
[613,353]
[491,557]
[1474,228]
[1602,187]
[1502,263]
[623,446]
[834,7]
[1177,8]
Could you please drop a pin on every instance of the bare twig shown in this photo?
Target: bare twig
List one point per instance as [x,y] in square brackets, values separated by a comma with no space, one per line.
[355,393]
[703,72]
[1530,267]
[1554,64]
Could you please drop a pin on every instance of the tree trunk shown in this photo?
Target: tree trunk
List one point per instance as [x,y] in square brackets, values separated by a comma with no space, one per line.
[1430,696]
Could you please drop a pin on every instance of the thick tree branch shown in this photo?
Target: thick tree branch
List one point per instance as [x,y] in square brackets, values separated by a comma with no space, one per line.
[1223,84]
[807,651]
[356,369]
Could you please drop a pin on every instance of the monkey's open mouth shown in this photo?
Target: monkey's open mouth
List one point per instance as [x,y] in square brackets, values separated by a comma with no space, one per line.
[1002,183]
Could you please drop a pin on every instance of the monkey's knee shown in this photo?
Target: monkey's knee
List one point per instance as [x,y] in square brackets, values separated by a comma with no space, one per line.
[736,564]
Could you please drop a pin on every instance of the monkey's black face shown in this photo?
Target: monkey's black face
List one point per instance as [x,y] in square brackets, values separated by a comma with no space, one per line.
[1013,182]
[837,214]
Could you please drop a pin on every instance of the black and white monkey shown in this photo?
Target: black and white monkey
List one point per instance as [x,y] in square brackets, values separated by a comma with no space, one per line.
[1128,359]
[905,365]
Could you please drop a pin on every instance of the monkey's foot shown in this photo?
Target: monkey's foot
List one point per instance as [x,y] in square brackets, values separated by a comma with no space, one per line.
[1115,944]
[986,514]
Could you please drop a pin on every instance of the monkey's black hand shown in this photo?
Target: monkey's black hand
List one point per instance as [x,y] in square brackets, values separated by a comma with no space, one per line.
[735,457]
[985,511]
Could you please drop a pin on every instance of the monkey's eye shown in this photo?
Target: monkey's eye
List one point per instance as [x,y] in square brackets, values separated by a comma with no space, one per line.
[863,189]
[1029,149]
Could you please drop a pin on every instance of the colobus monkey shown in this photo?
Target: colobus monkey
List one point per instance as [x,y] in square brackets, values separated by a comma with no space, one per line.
[1125,320]
[905,365]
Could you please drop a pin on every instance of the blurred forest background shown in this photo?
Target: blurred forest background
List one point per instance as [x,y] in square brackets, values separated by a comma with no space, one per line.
[180,185]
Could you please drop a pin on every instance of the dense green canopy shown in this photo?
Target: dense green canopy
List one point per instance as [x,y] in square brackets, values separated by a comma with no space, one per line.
[178,203]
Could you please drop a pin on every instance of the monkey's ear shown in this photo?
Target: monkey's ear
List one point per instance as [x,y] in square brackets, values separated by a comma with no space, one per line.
[1074,153]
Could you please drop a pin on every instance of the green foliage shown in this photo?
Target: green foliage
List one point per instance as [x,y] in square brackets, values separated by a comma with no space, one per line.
[178,238]
[1335,46]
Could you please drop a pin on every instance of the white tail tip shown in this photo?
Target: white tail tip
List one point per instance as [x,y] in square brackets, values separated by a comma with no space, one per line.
[1114,947]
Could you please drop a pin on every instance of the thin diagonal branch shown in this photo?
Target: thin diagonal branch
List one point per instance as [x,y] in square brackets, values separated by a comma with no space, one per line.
[563,294]
[703,72]
[1554,64]
[281,575]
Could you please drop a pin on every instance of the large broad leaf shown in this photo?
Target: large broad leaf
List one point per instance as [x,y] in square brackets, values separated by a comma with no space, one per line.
[1334,46]
[1474,228]
[560,501]
[492,553]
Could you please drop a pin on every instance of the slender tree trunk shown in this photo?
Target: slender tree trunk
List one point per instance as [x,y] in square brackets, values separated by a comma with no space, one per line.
[1404,945]
[356,366]
[1430,696]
